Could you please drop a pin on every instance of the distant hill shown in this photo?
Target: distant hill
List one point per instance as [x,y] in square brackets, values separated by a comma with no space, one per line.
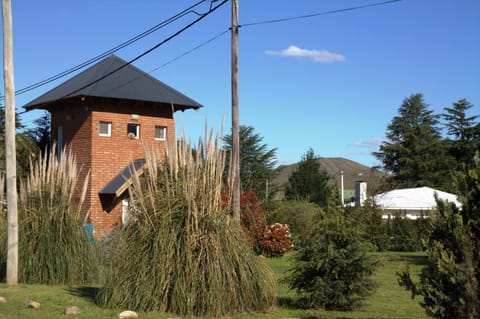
[352,172]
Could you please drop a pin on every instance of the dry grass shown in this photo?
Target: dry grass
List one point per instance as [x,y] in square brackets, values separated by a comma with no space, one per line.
[181,252]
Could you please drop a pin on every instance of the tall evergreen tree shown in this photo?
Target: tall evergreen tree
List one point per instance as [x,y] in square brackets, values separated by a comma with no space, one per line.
[309,182]
[414,152]
[257,161]
[462,130]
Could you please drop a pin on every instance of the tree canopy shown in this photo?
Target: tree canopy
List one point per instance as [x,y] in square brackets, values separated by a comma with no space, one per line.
[463,131]
[26,148]
[414,152]
[309,182]
[257,161]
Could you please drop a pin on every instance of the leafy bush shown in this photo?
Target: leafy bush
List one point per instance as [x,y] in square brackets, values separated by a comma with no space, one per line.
[406,234]
[181,252]
[373,228]
[332,268]
[253,218]
[276,240]
[300,216]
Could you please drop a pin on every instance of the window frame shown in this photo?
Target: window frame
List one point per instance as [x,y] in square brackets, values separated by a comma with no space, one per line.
[137,130]
[109,129]
[164,128]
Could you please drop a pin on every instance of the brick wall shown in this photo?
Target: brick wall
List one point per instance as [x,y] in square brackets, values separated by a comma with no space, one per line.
[105,157]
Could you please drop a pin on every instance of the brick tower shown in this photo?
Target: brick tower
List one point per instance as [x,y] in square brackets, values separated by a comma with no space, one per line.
[105,116]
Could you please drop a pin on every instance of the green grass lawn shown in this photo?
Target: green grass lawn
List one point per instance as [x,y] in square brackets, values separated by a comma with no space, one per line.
[389,301]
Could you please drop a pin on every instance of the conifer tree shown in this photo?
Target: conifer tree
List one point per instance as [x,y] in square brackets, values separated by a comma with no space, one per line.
[309,182]
[331,268]
[462,129]
[41,133]
[414,152]
[449,284]
[257,161]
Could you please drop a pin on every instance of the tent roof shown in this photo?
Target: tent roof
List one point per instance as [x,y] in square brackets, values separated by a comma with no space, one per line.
[115,78]
[421,198]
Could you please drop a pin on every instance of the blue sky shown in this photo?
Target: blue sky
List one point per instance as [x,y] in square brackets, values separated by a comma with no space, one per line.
[331,82]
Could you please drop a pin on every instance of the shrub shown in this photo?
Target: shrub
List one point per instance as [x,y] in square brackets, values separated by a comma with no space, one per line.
[185,254]
[276,240]
[406,234]
[300,216]
[374,230]
[253,218]
[332,268]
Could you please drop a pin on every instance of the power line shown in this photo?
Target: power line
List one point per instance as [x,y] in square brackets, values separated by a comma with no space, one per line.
[191,50]
[155,47]
[307,16]
[113,50]
[178,57]
[174,18]
[258,23]
[188,26]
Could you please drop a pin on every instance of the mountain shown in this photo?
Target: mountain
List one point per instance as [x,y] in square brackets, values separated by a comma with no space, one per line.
[352,172]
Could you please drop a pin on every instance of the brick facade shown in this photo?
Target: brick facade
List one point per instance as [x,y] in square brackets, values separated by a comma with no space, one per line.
[106,156]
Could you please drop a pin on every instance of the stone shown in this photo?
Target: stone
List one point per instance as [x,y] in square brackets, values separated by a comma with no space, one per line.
[72,310]
[32,304]
[3,299]
[127,314]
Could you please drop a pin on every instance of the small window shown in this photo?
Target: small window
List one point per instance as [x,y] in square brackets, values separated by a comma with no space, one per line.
[160,133]
[105,129]
[133,131]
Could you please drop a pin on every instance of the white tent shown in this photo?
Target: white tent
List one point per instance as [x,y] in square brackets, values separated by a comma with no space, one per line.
[412,201]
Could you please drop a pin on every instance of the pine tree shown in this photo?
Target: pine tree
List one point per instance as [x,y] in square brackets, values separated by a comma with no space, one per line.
[414,153]
[309,182]
[461,128]
[331,268]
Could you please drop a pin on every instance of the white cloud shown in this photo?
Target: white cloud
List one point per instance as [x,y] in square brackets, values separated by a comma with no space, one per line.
[373,142]
[321,56]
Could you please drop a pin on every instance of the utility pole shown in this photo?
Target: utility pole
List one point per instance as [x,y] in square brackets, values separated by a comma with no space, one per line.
[342,193]
[235,156]
[10,154]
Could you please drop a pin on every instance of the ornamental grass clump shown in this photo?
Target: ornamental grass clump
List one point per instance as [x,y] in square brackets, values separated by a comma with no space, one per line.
[181,252]
[53,244]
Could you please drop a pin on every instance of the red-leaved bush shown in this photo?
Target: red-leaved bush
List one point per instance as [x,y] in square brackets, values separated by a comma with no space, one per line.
[276,240]
[253,218]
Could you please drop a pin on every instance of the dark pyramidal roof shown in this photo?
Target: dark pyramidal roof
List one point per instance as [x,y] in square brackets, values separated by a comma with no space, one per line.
[126,82]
